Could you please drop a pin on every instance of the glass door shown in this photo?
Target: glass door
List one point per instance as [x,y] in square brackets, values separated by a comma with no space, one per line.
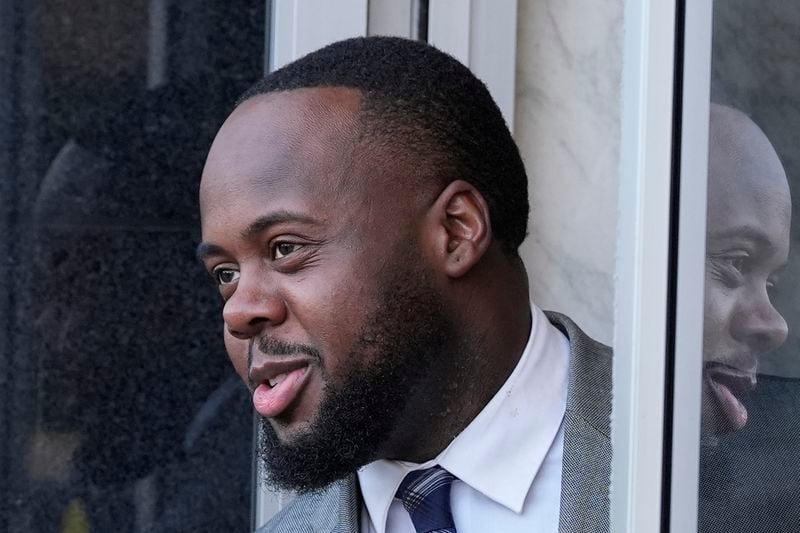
[734,400]
[118,408]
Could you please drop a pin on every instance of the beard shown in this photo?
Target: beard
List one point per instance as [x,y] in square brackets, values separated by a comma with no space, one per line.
[407,339]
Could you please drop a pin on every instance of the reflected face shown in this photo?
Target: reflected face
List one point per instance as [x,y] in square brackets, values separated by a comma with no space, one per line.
[332,314]
[749,213]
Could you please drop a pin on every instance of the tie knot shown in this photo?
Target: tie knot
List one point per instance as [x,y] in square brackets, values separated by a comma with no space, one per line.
[426,496]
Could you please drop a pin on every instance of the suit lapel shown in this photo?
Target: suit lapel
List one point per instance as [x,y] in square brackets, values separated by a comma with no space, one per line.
[350,509]
[587,446]
[336,509]
[343,508]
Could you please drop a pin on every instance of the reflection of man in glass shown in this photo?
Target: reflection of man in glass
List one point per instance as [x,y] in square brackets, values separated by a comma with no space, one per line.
[132,389]
[749,211]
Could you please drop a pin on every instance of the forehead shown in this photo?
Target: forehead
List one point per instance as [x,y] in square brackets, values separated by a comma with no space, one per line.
[301,140]
[747,183]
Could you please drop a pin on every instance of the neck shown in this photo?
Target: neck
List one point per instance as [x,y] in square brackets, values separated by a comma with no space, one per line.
[496,320]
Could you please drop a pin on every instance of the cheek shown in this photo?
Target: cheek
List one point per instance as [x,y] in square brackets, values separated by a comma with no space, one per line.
[717,315]
[332,308]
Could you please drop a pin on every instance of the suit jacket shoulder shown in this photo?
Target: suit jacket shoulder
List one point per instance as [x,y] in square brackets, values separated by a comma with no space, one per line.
[334,509]
[587,445]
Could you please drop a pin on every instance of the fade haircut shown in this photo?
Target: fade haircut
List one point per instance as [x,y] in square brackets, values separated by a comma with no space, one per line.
[422,101]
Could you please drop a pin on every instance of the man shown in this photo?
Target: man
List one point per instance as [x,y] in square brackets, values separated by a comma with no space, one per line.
[749,212]
[361,213]
[751,431]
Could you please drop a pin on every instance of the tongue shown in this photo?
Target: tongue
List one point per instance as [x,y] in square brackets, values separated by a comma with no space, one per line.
[733,408]
[271,401]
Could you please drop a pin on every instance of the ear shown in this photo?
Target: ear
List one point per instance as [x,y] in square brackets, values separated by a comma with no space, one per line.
[461,228]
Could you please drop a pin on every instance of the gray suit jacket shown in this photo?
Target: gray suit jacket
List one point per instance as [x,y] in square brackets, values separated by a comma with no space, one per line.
[587,455]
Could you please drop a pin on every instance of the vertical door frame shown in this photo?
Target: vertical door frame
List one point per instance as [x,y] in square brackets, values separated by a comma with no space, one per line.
[482,34]
[301,26]
[690,244]
[642,268]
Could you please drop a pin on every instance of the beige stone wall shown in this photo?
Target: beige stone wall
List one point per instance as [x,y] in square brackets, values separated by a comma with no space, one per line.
[567,124]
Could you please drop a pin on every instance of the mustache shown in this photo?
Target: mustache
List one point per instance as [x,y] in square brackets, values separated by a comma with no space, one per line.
[271,346]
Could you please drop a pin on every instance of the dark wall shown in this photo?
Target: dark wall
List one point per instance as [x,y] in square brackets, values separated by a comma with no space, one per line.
[119,409]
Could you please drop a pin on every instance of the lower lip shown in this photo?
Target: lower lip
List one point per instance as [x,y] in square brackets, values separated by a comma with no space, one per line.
[733,409]
[270,402]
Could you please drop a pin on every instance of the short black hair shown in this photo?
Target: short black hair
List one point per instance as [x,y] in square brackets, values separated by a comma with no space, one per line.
[427,102]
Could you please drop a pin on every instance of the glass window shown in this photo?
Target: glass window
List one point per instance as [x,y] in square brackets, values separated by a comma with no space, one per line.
[120,411]
[750,442]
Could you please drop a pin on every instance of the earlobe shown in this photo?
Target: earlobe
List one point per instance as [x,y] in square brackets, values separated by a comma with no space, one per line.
[465,226]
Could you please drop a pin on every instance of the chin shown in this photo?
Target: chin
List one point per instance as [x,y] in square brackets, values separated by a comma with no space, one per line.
[289,431]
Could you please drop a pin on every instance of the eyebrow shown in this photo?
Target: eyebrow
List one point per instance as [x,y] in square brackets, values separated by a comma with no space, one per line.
[279,217]
[751,233]
[207,249]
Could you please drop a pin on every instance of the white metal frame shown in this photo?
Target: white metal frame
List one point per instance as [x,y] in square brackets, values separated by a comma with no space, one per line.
[392,17]
[687,392]
[640,322]
[482,34]
[301,26]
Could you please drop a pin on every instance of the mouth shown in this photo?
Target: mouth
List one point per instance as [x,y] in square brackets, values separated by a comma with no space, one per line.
[728,385]
[278,384]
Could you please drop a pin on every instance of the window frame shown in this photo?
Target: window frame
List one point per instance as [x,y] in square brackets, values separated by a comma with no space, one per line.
[689,244]
[659,294]
[642,267]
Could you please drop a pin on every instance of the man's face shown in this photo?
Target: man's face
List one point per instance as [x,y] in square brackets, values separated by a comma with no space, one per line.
[749,213]
[332,315]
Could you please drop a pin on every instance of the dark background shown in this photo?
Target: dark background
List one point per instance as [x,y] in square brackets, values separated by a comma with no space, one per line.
[118,407]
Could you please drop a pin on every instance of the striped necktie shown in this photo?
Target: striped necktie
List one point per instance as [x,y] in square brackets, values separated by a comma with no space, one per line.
[426,496]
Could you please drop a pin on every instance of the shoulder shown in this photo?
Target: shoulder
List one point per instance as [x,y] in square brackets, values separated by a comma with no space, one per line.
[589,351]
[332,509]
[590,365]
[587,420]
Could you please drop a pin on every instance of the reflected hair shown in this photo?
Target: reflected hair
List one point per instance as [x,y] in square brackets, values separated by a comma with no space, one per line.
[424,102]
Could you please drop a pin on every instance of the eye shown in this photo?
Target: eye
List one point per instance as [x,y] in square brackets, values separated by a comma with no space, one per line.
[282,249]
[730,267]
[225,275]
[736,262]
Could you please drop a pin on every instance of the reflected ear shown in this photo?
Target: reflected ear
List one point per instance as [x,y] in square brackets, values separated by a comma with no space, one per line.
[462,231]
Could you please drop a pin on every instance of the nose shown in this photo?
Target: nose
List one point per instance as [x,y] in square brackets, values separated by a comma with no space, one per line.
[760,325]
[254,305]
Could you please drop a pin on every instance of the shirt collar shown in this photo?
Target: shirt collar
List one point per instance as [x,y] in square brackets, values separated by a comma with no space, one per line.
[488,455]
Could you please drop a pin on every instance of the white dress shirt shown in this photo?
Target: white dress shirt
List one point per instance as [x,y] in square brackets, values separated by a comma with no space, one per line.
[507,461]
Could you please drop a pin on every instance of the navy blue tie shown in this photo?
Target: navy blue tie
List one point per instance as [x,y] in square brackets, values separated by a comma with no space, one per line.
[426,496]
